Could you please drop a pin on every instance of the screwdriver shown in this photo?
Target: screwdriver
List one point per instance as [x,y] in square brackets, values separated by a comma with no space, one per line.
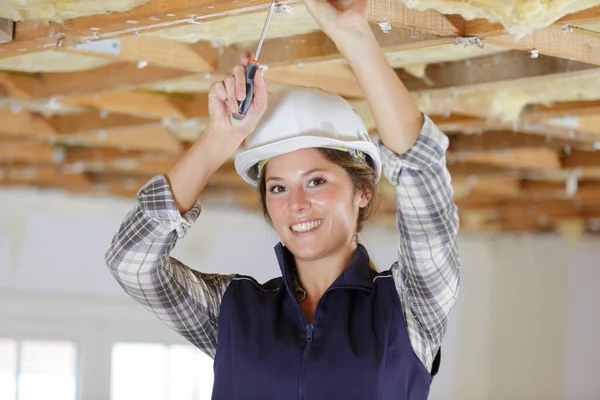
[244,105]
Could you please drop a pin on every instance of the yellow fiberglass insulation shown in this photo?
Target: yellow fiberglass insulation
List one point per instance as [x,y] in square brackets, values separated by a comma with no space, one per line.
[520,17]
[62,10]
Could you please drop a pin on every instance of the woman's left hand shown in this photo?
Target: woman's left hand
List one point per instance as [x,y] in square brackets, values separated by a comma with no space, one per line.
[339,19]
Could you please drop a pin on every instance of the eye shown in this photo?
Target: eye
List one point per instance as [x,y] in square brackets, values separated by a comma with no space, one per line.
[316,182]
[276,189]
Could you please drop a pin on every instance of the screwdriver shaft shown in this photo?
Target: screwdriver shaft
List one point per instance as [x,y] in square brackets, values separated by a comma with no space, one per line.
[264,31]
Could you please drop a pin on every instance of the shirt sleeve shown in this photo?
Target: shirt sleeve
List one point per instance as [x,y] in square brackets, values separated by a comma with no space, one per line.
[427,272]
[187,301]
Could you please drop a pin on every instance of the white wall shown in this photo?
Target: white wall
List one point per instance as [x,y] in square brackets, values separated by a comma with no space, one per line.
[526,325]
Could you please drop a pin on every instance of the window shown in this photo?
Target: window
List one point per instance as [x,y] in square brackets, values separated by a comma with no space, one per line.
[160,372]
[32,370]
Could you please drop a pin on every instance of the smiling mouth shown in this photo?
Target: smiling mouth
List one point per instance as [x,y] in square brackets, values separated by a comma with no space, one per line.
[306,226]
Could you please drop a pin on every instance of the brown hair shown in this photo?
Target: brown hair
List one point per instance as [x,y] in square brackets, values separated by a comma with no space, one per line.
[361,173]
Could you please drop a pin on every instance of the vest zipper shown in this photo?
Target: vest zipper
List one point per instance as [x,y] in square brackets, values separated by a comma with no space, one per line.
[309,327]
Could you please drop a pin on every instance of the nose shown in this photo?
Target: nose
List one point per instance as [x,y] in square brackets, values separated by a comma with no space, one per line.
[298,201]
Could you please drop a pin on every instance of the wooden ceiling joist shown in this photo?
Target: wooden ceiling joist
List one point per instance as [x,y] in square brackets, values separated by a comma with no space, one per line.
[24,124]
[154,51]
[141,104]
[502,67]
[579,44]
[33,36]
[483,28]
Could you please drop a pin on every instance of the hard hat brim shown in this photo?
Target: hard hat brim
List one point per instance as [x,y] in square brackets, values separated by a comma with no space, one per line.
[249,158]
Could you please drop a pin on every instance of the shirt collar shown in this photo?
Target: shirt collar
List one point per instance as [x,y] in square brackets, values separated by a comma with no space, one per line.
[358,273]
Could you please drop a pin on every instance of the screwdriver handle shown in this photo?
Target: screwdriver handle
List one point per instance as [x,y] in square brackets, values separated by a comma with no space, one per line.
[244,105]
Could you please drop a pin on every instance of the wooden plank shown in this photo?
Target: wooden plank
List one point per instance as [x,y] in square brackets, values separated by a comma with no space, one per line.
[587,191]
[483,28]
[316,47]
[17,86]
[581,159]
[141,104]
[7,28]
[156,51]
[118,76]
[147,139]
[33,153]
[111,77]
[24,124]
[43,176]
[536,112]
[429,21]
[494,140]
[487,69]
[33,36]
[94,121]
[577,45]
[587,16]
[334,77]
[523,158]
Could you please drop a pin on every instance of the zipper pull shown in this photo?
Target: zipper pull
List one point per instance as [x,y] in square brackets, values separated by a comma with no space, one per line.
[309,332]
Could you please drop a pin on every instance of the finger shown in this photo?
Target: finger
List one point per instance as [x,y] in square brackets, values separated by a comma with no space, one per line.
[217,96]
[229,83]
[217,89]
[245,57]
[240,82]
[260,91]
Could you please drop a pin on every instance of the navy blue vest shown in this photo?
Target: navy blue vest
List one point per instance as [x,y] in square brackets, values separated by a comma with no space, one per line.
[356,348]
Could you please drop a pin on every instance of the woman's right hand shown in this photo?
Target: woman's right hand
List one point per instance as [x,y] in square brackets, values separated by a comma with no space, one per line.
[223,100]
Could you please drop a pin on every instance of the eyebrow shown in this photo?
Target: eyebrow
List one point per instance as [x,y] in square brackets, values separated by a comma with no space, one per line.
[304,174]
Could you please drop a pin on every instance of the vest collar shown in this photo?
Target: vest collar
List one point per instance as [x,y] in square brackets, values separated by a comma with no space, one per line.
[358,273]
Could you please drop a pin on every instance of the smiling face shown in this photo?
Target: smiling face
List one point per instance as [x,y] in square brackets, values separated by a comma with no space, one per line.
[312,203]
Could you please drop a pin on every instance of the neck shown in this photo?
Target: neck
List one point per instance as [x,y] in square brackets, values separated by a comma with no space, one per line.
[316,276]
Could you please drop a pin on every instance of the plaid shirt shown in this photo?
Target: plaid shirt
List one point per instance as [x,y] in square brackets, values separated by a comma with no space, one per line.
[426,274]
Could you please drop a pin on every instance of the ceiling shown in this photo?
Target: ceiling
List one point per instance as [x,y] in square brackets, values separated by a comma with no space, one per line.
[97,97]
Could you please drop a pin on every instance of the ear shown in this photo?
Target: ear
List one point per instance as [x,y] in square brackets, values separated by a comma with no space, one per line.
[365,198]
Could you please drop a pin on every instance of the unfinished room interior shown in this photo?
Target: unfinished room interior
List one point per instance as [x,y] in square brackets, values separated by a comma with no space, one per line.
[99,97]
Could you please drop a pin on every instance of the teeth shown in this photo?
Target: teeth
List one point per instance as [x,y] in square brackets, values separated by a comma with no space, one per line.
[305,226]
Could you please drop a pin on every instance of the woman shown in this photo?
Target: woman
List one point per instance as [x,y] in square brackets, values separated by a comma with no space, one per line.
[331,326]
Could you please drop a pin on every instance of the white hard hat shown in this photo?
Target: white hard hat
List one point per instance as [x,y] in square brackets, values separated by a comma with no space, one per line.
[299,118]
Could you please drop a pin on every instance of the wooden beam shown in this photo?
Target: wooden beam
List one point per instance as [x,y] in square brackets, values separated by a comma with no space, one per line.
[24,124]
[34,36]
[141,104]
[111,77]
[483,28]
[153,51]
[42,176]
[311,47]
[334,77]
[316,47]
[587,16]
[505,66]
[429,21]
[578,45]
[93,120]
[522,158]
[587,191]
[536,112]
[32,153]
[155,138]
[7,28]
[581,159]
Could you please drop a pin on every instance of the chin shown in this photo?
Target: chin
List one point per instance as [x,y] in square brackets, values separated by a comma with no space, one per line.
[308,251]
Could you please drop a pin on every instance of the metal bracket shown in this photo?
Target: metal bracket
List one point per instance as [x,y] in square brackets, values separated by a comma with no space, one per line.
[469,41]
[107,46]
